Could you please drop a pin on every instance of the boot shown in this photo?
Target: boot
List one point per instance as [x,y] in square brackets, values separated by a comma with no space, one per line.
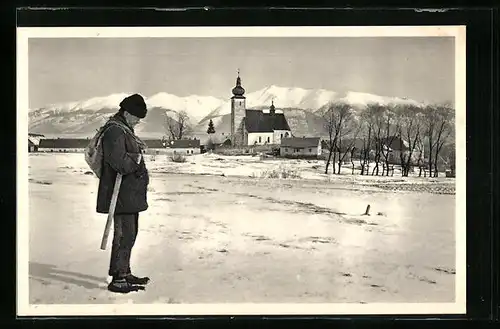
[122,286]
[132,279]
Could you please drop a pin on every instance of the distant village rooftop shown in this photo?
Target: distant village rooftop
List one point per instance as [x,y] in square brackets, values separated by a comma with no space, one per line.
[300,142]
[64,143]
[185,143]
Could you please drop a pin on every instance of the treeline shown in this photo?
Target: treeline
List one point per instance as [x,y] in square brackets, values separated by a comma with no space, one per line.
[414,134]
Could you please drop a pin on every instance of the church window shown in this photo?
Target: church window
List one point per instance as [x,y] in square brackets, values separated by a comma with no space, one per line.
[268,139]
[260,139]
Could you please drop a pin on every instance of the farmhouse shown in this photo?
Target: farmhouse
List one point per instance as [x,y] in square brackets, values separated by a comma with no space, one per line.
[31,146]
[393,146]
[255,127]
[300,147]
[33,141]
[63,145]
[346,147]
[155,146]
[155,143]
[397,147]
[185,146]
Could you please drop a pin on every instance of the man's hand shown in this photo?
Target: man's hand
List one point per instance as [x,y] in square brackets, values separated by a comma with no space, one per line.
[137,157]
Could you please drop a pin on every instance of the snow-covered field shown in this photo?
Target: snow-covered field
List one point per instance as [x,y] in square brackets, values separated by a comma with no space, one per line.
[217,232]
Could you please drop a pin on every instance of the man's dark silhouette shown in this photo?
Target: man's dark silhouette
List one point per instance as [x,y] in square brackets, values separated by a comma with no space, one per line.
[123,153]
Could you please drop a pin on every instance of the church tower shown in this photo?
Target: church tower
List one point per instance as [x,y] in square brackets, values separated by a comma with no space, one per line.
[238,108]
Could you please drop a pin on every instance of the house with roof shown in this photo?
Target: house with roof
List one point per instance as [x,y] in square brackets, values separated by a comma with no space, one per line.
[300,147]
[255,127]
[395,146]
[345,148]
[66,145]
[185,146]
[155,143]
[31,146]
[34,141]
[155,146]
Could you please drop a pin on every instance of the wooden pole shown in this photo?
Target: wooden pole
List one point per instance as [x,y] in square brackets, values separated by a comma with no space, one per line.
[111,212]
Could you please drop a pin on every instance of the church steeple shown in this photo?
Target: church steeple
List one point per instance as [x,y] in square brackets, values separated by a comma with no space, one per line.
[238,90]
[238,113]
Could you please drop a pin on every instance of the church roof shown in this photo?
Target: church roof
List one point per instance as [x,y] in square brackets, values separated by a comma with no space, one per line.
[257,121]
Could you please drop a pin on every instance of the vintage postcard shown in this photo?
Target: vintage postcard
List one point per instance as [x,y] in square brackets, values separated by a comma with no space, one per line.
[241,170]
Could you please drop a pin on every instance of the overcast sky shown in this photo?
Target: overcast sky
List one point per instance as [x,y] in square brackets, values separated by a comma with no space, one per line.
[62,70]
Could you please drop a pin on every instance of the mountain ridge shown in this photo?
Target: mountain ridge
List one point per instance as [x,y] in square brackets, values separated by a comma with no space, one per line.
[82,118]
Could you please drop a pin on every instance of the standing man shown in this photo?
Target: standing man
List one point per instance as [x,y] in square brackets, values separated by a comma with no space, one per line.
[123,153]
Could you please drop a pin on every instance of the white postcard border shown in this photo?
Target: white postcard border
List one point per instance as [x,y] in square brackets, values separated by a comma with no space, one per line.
[25,309]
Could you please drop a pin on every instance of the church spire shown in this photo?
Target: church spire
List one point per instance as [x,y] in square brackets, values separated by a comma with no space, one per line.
[238,90]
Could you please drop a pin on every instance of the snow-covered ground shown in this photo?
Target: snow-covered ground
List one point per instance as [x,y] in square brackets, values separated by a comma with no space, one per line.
[217,232]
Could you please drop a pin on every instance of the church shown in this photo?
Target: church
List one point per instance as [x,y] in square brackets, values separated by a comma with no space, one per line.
[255,127]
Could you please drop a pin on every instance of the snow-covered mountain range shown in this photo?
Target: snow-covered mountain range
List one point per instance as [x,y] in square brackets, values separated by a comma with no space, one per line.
[82,118]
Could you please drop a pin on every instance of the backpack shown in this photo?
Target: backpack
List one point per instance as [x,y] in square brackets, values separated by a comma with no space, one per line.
[93,152]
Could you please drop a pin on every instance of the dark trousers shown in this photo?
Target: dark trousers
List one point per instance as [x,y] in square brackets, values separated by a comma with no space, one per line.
[124,235]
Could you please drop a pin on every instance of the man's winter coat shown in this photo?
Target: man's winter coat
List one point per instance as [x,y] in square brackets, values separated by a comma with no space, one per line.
[120,150]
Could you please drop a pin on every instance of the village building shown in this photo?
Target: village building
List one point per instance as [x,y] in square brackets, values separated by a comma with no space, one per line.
[300,147]
[155,146]
[348,147]
[155,143]
[255,127]
[31,146]
[185,146]
[76,145]
[396,147]
[34,141]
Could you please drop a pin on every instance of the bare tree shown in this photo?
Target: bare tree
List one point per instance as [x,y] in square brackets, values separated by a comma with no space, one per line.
[409,133]
[353,150]
[366,130]
[337,118]
[437,127]
[177,124]
[389,132]
[376,113]
[445,127]
[429,120]
[345,146]
[419,149]
[448,154]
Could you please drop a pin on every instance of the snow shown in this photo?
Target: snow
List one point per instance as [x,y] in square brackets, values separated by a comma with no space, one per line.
[107,102]
[237,238]
[308,99]
[363,99]
[195,106]
[200,108]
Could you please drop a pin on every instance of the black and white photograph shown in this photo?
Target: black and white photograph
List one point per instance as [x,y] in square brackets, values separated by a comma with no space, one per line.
[241,170]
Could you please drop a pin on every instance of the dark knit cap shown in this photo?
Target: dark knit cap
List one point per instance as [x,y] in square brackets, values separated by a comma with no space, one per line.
[134,105]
